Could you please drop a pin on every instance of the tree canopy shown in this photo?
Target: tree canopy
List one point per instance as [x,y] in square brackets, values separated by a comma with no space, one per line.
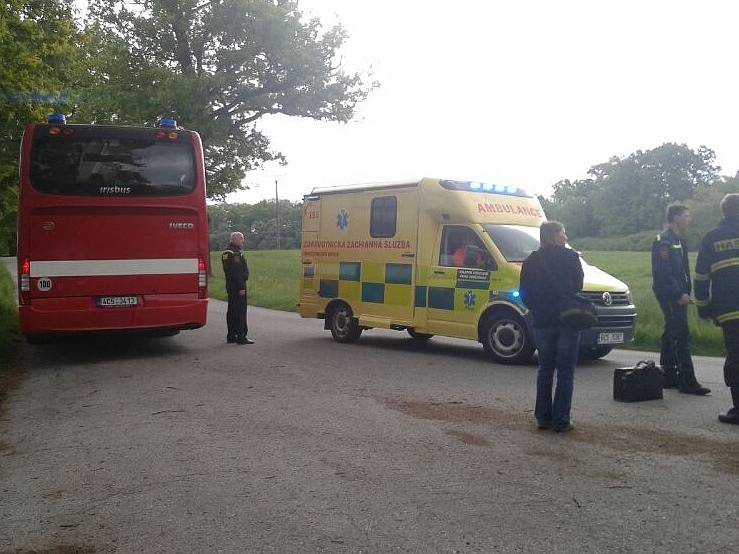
[626,196]
[258,222]
[217,67]
[40,65]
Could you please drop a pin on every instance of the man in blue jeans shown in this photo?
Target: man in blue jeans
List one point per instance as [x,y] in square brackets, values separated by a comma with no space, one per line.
[548,273]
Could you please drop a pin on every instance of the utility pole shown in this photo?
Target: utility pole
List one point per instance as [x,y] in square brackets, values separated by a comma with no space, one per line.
[277,212]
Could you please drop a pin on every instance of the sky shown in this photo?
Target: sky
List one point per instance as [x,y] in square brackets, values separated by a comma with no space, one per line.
[522,93]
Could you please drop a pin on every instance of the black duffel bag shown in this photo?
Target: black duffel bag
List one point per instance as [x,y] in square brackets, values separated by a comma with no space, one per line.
[574,311]
[577,312]
[644,381]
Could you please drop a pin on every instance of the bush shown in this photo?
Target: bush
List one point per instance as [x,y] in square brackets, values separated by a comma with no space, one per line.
[638,242]
[8,317]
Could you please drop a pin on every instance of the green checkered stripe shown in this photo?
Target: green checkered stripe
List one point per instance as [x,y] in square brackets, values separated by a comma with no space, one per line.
[377,283]
[453,298]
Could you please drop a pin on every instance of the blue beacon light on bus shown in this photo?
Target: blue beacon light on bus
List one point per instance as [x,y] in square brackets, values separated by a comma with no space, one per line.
[57,119]
[167,123]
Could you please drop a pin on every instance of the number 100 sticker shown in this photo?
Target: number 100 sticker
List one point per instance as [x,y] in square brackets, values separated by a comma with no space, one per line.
[44,284]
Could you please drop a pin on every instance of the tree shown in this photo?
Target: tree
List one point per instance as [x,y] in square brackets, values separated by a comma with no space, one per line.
[40,63]
[218,66]
[631,194]
[571,203]
[257,222]
[626,196]
[704,207]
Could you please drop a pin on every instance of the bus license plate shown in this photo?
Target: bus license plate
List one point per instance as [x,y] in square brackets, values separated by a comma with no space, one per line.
[117,301]
[610,338]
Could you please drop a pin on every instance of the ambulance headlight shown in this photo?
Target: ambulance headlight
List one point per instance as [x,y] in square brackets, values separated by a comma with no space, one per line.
[629,296]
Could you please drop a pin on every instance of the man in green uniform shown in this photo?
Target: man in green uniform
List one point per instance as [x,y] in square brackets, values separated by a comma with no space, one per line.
[236,273]
[717,291]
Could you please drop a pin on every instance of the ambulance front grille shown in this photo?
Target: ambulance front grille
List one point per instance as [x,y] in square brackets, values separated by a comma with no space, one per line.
[615,321]
[618,298]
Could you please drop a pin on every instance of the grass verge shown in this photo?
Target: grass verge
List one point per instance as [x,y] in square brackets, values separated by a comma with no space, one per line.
[8,334]
[273,279]
[635,269]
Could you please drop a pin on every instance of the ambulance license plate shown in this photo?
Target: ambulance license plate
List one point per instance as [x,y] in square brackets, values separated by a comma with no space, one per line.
[610,338]
[117,301]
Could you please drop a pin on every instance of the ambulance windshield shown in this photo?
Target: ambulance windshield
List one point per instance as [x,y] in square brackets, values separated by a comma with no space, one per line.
[515,242]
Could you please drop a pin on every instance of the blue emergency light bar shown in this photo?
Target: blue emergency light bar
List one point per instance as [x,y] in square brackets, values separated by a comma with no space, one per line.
[57,119]
[477,186]
[167,123]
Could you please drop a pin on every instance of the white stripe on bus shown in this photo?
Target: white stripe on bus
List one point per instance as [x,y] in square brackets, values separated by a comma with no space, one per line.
[94,268]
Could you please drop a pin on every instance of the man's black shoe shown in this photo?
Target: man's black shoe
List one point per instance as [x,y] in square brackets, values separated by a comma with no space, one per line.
[230,340]
[543,425]
[695,389]
[245,340]
[563,428]
[732,416]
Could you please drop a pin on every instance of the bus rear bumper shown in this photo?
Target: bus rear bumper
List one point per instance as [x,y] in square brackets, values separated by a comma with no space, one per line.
[81,314]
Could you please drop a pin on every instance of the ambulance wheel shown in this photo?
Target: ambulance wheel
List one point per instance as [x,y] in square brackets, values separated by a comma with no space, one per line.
[344,327]
[418,336]
[504,335]
[595,352]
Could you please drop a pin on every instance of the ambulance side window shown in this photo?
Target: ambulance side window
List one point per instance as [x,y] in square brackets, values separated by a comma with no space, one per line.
[460,247]
[383,217]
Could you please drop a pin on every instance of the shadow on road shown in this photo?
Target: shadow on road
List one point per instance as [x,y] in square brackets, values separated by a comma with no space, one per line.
[470,352]
[101,348]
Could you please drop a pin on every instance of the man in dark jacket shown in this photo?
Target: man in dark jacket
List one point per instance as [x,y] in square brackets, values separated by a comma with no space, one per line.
[236,273]
[717,291]
[671,286]
[548,273]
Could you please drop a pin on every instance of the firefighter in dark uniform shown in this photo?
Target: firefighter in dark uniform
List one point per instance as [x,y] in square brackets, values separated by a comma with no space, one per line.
[237,274]
[717,291]
[671,285]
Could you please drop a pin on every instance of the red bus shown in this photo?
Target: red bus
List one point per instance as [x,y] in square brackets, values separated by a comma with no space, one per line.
[112,229]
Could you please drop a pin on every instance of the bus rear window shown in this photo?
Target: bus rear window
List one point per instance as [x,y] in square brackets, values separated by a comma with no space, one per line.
[89,164]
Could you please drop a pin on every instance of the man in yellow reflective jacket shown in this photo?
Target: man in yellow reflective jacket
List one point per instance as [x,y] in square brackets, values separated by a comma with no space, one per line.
[717,291]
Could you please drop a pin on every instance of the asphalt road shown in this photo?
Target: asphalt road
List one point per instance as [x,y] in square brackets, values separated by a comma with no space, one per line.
[300,444]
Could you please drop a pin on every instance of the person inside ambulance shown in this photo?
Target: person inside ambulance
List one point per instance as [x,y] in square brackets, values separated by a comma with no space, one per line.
[462,260]
[462,248]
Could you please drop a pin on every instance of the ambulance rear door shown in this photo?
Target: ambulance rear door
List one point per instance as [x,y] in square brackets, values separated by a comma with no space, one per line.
[310,257]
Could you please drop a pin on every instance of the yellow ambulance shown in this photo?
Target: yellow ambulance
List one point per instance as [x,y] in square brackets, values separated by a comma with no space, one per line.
[437,257]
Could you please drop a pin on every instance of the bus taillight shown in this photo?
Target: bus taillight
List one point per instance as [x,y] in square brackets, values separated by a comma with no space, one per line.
[25,281]
[202,278]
